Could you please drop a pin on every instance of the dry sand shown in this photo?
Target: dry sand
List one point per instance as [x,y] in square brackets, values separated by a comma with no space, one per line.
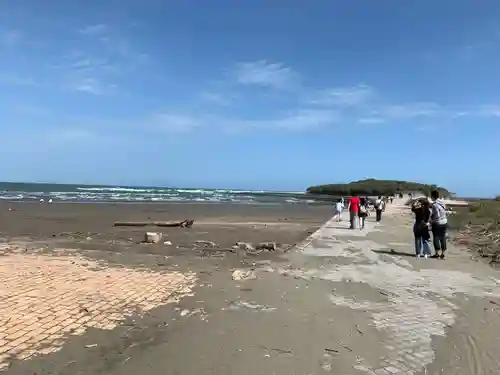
[342,301]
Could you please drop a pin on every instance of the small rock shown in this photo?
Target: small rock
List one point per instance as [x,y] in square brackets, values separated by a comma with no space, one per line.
[88,238]
[240,274]
[245,246]
[266,246]
[206,243]
[152,237]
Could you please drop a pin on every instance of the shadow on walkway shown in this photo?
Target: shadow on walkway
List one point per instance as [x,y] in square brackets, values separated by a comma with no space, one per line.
[336,227]
[394,252]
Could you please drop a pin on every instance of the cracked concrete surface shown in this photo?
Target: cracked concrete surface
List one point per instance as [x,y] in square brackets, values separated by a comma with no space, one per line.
[423,296]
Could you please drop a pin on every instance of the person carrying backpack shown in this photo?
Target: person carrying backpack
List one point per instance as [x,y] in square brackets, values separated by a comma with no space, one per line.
[363,212]
[439,225]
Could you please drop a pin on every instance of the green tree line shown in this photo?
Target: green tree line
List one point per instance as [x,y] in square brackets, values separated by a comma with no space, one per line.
[372,187]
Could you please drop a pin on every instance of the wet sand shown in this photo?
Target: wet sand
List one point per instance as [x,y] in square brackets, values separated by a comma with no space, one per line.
[89,229]
[93,273]
[84,225]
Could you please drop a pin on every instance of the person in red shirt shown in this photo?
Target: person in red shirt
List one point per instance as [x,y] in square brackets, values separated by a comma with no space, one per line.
[353,207]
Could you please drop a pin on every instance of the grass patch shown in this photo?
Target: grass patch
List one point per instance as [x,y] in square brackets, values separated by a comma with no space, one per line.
[477,226]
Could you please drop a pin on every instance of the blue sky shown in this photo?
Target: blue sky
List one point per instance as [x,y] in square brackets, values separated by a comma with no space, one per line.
[251,94]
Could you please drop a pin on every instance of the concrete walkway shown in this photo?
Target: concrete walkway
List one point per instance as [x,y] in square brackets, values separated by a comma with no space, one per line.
[423,316]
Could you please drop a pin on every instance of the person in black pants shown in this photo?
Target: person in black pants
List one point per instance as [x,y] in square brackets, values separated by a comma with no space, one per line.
[379,207]
[422,211]
[439,223]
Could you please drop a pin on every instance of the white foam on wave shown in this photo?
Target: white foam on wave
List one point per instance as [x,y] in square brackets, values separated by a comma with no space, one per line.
[97,194]
[118,189]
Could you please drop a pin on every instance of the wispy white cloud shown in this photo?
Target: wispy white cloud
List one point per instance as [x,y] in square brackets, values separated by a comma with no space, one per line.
[102,63]
[266,74]
[8,78]
[91,86]
[488,110]
[299,120]
[364,105]
[411,110]
[288,121]
[69,134]
[371,120]
[344,96]
[10,37]
[174,123]
[93,30]
[216,98]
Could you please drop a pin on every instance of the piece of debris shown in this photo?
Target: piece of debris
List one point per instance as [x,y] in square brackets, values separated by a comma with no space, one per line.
[152,237]
[187,224]
[278,350]
[241,274]
[266,246]
[167,243]
[252,249]
[182,224]
[207,243]
[331,350]
[245,246]
[238,305]
[344,346]
[88,238]
[91,346]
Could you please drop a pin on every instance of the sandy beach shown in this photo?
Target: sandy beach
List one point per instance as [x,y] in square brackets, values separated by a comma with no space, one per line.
[80,296]
[91,225]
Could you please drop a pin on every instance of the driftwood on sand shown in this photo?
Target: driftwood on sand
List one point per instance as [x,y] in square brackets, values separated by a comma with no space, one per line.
[182,224]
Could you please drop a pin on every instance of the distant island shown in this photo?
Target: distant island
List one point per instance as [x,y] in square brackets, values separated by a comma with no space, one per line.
[373,187]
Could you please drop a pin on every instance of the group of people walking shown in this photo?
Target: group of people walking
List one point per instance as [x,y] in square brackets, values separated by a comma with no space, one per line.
[430,217]
[359,209]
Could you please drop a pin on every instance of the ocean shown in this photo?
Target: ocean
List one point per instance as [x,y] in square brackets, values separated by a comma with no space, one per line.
[10,191]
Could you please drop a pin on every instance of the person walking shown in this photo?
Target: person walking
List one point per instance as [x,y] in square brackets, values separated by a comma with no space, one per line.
[339,208]
[363,212]
[439,225]
[353,208]
[379,207]
[422,210]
